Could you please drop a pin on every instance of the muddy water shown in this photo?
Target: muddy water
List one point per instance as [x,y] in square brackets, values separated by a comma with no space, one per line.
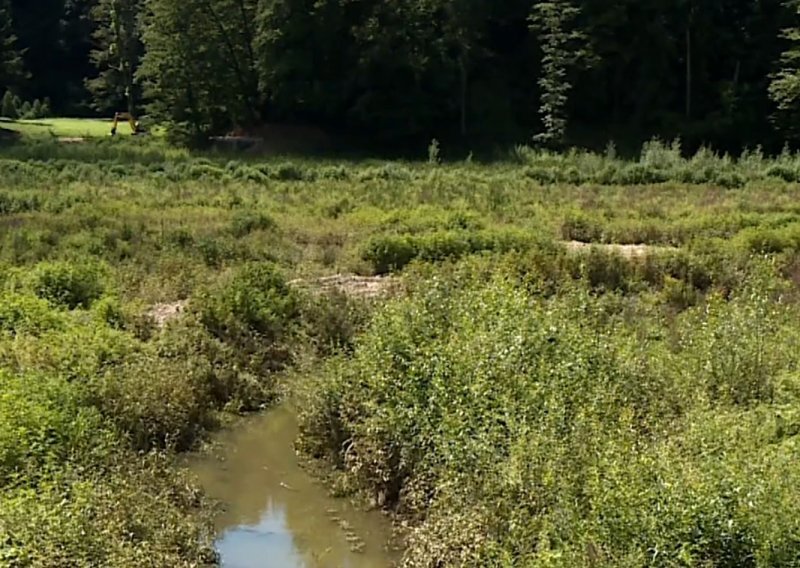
[274,514]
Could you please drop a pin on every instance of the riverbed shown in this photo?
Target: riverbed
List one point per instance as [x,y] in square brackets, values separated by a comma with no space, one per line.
[274,514]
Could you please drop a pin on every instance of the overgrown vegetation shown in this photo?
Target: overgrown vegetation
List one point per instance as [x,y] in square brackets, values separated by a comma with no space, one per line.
[576,428]
[541,395]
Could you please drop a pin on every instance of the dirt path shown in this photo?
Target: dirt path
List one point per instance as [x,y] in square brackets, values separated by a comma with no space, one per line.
[626,251]
[355,286]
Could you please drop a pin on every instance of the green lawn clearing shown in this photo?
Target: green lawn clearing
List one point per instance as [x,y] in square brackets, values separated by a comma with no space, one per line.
[64,127]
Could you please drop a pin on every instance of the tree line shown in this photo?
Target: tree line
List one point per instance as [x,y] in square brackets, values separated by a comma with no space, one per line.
[720,72]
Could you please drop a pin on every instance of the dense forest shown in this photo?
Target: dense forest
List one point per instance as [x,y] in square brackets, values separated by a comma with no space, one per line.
[717,72]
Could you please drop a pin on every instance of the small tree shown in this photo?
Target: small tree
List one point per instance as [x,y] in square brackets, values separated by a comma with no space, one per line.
[25,110]
[36,109]
[560,44]
[8,107]
[784,89]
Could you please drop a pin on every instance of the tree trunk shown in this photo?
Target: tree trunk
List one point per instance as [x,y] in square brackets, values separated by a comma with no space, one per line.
[129,95]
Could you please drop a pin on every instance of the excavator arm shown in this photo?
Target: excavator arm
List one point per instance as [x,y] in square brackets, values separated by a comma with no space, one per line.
[126,116]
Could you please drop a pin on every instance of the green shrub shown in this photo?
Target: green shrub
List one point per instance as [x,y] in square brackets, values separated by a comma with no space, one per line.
[578,226]
[246,222]
[36,109]
[23,314]
[25,110]
[506,426]
[42,425]
[678,294]
[389,253]
[216,363]
[783,172]
[254,310]
[181,237]
[288,172]
[156,402]
[205,171]
[334,320]
[606,270]
[212,251]
[68,284]
[766,241]
[104,517]
[256,297]
[8,106]
[639,174]
[109,311]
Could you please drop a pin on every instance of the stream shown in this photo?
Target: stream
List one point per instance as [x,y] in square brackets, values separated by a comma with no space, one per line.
[275,515]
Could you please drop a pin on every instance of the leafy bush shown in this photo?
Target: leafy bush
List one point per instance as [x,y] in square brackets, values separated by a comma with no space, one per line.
[156,402]
[505,426]
[23,314]
[389,253]
[68,284]
[334,320]
[255,310]
[255,297]
[289,172]
[104,517]
[245,222]
[42,425]
[581,227]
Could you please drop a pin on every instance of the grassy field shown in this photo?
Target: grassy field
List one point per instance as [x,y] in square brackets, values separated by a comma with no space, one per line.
[525,400]
[61,127]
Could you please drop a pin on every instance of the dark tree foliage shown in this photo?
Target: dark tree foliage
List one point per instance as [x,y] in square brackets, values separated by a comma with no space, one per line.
[403,72]
[55,38]
[117,53]
[198,69]
[10,59]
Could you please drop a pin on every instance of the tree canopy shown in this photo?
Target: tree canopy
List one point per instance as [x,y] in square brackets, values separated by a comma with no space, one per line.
[401,72]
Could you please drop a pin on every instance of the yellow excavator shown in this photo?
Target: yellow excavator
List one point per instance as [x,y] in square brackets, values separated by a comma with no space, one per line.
[136,128]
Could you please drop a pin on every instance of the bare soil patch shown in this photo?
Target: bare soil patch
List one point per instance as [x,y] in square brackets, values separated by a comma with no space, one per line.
[366,287]
[626,251]
[164,313]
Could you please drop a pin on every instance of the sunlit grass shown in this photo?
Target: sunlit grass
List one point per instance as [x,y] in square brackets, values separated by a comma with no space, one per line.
[66,127]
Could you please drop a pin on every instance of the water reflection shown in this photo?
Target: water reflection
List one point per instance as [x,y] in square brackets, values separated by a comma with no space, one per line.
[276,515]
